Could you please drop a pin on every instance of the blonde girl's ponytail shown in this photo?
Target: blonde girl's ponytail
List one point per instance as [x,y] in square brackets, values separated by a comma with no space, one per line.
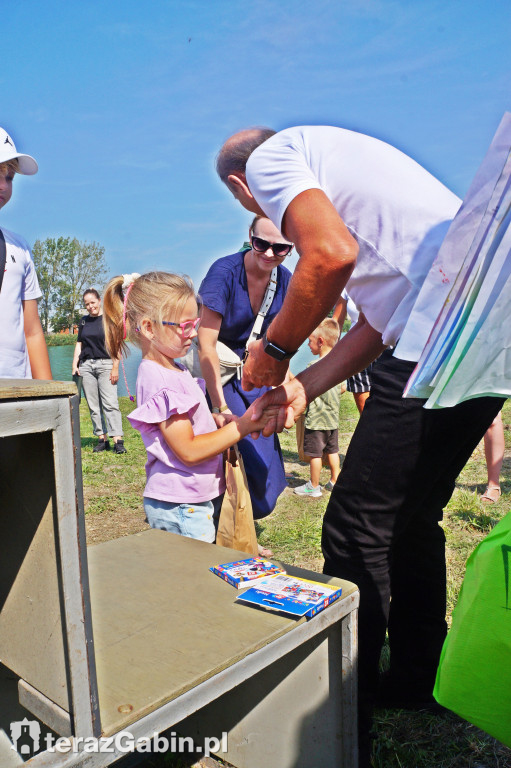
[113,307]
[129,298]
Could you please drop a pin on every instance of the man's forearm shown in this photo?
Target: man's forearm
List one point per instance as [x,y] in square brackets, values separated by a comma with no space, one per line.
[359,347]
[313,291]
[328,253]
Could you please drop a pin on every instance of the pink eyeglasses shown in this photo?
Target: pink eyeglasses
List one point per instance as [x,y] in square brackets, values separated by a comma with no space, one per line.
[187,328]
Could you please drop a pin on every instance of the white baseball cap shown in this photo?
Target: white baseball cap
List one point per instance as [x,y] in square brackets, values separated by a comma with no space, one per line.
[27,165]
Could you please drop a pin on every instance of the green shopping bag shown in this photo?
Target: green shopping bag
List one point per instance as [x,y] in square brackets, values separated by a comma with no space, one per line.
[474,675]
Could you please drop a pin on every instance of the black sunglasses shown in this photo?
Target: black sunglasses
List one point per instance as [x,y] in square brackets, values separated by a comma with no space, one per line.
[279,249]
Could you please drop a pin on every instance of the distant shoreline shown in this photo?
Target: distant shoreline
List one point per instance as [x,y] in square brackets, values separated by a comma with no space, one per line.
[60,339]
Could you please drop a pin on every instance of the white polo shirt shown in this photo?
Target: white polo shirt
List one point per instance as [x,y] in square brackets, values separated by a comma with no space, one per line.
[20,283]
[397,212]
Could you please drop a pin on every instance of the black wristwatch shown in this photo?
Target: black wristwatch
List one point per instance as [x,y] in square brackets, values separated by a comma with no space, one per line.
[275,351]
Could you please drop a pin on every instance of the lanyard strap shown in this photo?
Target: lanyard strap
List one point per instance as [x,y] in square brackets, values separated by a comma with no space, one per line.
[265,306]
[3,257]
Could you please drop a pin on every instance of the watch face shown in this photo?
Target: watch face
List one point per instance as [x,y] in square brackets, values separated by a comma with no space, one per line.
[274,351]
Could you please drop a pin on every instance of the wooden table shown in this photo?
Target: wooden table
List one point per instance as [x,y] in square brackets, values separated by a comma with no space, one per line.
[136,634]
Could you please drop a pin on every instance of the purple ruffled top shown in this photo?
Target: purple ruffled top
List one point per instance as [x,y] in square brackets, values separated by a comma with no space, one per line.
[162,393]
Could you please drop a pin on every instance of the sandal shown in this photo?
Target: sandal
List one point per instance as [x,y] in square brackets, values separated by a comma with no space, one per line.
[491,494]
[263,551]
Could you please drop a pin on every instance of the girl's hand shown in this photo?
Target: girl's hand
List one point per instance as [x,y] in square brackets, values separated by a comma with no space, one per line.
[256,420]
[221,419]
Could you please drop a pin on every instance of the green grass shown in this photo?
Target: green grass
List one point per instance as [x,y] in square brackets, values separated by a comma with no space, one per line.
[113,499]
[113,484]
[60,339]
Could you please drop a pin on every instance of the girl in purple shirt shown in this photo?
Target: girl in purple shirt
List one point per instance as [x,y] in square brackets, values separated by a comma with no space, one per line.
[158,311]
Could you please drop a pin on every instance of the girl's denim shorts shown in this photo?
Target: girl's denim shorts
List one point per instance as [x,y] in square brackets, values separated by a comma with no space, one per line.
[192,520]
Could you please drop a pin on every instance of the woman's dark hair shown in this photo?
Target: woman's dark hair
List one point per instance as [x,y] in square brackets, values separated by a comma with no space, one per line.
[94,293]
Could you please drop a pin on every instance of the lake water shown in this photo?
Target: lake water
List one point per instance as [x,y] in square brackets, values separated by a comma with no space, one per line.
[61,359]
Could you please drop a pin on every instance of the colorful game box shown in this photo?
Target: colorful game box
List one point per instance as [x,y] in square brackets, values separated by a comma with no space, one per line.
[246,573]
[290,595]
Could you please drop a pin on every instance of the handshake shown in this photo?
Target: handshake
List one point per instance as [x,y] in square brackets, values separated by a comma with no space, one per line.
[274,411]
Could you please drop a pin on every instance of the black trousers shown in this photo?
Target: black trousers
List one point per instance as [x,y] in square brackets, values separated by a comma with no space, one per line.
[381,526]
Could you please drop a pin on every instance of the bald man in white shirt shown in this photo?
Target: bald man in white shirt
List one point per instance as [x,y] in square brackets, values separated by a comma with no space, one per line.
[367,217]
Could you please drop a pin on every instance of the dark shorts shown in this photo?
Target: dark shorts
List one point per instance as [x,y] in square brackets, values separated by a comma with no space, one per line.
[319,441]
[360,382]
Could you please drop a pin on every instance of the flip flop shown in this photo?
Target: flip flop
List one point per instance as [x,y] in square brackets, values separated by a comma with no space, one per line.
[491,494]
[263,551]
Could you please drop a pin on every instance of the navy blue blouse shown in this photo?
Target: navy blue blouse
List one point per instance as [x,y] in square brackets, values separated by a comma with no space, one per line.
[225,290]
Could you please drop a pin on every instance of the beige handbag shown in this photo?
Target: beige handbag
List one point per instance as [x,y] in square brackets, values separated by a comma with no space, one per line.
[236,528]
[231,364]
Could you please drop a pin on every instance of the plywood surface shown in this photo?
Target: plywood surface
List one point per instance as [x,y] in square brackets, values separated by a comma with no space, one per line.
[11,389]
[163,623]
[31,622]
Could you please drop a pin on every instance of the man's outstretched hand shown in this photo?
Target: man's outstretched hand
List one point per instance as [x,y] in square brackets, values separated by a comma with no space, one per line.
[292,400]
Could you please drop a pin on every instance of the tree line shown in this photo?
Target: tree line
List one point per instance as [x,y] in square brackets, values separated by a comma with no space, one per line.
[65,268]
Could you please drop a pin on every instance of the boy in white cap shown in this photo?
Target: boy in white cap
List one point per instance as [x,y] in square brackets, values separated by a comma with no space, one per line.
[23,352]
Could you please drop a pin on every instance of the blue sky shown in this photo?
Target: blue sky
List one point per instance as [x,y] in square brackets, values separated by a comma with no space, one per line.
[125,104]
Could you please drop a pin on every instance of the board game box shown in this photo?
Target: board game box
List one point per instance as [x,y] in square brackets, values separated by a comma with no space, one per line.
[290,595]
[246,573]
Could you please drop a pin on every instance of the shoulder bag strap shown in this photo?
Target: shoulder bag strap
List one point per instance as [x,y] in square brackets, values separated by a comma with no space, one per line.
[3,257]
[265,306]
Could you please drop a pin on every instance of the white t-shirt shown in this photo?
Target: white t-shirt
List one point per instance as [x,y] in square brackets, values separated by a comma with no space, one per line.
[397,212]
[20,283]
[351,309]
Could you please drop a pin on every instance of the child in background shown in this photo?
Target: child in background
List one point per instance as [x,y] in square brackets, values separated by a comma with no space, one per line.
[360,384]
[322,417]
[158,311]
[23,352]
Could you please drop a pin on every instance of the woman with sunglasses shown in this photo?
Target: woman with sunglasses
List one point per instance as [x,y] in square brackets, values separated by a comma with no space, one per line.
[99,375]
[232,293]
